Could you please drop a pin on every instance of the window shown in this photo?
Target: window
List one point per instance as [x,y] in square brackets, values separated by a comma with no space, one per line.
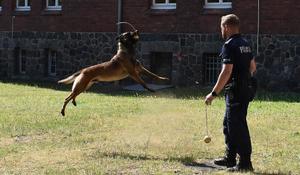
[213,64]
[1,5]
[23,5]
[161,64]
[22,61]
[218,4]
[53,4]
[164,4]
[52,58]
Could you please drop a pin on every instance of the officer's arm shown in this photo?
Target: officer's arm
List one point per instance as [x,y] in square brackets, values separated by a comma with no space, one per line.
[252,67]
[223,77]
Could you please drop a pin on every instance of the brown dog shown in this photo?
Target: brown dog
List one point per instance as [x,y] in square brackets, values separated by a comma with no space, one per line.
[122,65]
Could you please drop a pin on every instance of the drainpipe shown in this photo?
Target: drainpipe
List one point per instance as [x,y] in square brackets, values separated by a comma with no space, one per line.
[119,27]
[258,27]
[120,11]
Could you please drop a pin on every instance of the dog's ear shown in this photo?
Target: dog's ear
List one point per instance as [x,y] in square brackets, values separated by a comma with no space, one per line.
[136,34]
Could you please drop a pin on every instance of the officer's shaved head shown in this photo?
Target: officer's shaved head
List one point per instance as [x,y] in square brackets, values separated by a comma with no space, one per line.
[230,24]
[231,20]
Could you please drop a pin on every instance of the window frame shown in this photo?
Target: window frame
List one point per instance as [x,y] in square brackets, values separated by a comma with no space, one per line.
[212,68]
[165,5]
[50,59]
[218,5]
[56,7]
[26,7]
[22,57]
[1,5]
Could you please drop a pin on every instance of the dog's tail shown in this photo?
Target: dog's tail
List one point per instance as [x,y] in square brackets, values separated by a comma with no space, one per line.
[69,79]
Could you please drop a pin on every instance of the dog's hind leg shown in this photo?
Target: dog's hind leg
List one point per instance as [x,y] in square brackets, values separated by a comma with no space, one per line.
[74,102]
[71,96]
[79,86]
[87,87]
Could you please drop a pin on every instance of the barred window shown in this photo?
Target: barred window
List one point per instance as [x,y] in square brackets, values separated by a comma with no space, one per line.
[23,5]
[218,4]
[212,67]
[53,4]
[164,4]
[22,61]
[52,59]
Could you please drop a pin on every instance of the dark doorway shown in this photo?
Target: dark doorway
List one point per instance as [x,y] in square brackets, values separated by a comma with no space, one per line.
[161,64]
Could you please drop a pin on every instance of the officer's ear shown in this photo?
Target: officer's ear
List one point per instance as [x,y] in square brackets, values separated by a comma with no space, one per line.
[226,26]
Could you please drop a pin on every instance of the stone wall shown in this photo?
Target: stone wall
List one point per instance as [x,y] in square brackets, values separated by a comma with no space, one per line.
[278,61]
[75,51]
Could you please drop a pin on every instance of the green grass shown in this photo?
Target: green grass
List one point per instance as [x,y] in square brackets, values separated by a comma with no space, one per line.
[136,133]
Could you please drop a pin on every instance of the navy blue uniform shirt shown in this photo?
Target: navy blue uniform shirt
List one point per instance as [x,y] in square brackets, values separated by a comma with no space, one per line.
[236,50]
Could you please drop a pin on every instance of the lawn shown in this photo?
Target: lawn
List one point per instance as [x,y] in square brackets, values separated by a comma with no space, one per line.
[137,133]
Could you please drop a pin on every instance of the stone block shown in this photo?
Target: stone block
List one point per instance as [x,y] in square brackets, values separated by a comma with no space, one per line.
[271,47]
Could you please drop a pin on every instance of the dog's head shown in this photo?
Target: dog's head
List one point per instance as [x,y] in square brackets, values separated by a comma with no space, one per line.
[129,39]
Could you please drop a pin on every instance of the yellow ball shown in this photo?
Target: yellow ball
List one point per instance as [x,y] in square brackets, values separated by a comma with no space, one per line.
[207,139]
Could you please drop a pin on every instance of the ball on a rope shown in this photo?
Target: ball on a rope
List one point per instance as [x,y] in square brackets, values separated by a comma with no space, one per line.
[207,139]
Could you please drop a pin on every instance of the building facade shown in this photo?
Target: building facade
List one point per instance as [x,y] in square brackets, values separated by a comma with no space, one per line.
[49,39]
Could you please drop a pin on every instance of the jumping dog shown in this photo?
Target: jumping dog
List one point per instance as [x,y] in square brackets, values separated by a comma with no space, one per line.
[121,65]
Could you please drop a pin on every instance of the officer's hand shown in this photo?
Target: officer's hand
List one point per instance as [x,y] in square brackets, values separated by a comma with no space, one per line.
[209,98]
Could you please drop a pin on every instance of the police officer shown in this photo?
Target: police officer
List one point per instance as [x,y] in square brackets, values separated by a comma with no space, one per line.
[238,66]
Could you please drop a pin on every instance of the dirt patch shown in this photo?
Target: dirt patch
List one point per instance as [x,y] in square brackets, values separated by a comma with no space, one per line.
[4,142]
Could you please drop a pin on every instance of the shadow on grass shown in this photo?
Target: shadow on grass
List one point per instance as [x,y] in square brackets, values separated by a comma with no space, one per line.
[188,161]
[266,173]
[195,92]
[205,166]
[113,90]
[122,155]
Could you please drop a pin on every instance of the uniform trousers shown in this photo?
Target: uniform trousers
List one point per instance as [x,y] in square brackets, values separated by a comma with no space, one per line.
[235,129]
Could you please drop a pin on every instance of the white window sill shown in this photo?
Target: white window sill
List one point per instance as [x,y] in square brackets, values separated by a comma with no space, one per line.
[53,8]
[218,6]
[22,9]
[163,6]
